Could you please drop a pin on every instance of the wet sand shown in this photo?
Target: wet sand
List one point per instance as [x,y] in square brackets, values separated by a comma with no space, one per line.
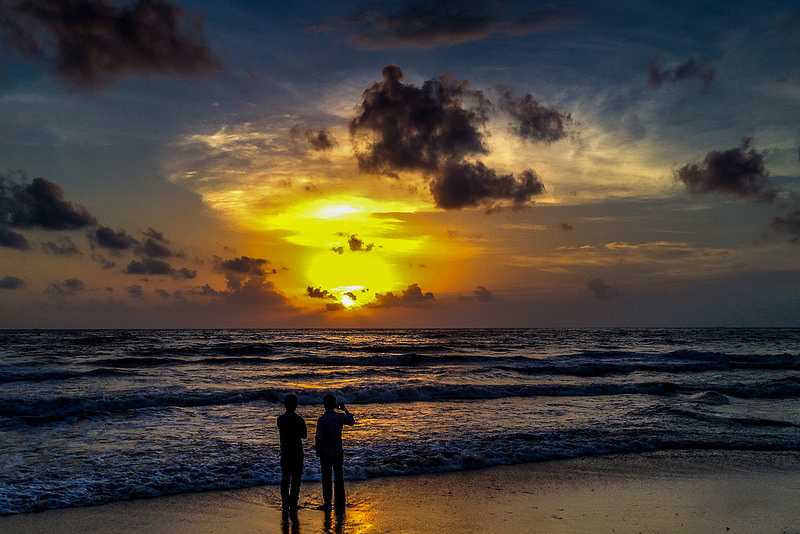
[693,492]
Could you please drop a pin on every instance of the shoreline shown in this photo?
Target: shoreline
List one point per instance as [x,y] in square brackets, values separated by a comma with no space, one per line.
[685,491]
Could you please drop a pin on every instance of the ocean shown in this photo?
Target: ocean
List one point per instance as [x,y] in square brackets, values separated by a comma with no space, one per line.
[88,417]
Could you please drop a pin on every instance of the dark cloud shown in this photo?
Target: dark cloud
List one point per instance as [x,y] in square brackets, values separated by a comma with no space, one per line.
[338,250]
[155,234]
[320,139]
[12,239]
[358,245]
[135,291]
[428,24]
[95,42]
[480,294]
[250,300]
[251,293]
[154,248]
[114,240]
[65,288]
[410,297]
[319,293]
[163,293]
[465,184]
[243,265]
[158,267]
[317,139]
[62,246]
[601,290]
[352,295]
[207,291]
[185,274]
[400,127]
[155,245]
[532,120]
[691,68]
[149,266]
[40,204]
[103,261]
[245,275]
[788,224]
[567,227]
[739,171]
[11,282]
[334,306]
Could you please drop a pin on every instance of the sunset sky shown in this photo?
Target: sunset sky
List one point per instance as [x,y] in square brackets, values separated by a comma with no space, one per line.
[248,163]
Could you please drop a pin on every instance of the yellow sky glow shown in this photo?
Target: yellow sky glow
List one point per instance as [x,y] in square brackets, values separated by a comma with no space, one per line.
[323,228]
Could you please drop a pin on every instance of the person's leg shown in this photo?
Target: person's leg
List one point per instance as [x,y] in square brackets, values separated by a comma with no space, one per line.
[338,470]
[285,475]
[297,473]
[327,489]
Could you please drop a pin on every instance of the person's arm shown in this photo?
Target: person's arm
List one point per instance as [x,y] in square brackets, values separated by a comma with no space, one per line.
[317,437]
[303,429]
[348,417]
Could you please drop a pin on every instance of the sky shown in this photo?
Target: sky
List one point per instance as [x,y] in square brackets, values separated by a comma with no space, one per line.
[193,164]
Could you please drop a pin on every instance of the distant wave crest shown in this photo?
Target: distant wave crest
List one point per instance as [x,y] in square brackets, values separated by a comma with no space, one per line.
[67,406]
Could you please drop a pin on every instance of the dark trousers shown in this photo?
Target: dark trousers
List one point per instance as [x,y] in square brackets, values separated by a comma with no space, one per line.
[332,465]
[291,472]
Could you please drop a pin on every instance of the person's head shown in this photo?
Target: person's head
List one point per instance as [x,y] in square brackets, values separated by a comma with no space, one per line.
[329,401]
[290,401]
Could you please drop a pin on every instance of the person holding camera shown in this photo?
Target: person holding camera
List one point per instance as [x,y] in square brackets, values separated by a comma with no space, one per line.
[328,444]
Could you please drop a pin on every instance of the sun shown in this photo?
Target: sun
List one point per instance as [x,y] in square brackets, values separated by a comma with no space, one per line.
[347,301]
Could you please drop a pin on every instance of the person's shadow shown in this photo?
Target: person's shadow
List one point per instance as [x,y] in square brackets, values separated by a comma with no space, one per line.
[338,516]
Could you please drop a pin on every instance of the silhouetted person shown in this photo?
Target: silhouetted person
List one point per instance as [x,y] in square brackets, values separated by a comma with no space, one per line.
[293,431]
[328,444]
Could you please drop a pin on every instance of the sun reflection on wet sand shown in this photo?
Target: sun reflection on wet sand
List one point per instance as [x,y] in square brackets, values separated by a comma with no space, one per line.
[358,518]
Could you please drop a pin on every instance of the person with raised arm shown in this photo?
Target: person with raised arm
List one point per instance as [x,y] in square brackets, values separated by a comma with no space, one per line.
[328,444]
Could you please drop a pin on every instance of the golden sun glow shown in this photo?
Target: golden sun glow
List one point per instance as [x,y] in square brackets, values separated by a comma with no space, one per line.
[334,211]
[361,274]
[353,244]
[318,223]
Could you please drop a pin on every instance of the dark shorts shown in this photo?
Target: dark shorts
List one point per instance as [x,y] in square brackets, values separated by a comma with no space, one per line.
[332,457]
[291,462]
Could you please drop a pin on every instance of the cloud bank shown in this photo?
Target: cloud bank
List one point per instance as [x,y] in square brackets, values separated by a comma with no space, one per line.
[95,42]
[432,24]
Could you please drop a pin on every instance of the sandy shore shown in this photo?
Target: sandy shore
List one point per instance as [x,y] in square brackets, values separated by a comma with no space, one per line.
[664,492]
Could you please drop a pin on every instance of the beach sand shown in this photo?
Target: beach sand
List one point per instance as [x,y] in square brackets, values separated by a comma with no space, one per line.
[704,492]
